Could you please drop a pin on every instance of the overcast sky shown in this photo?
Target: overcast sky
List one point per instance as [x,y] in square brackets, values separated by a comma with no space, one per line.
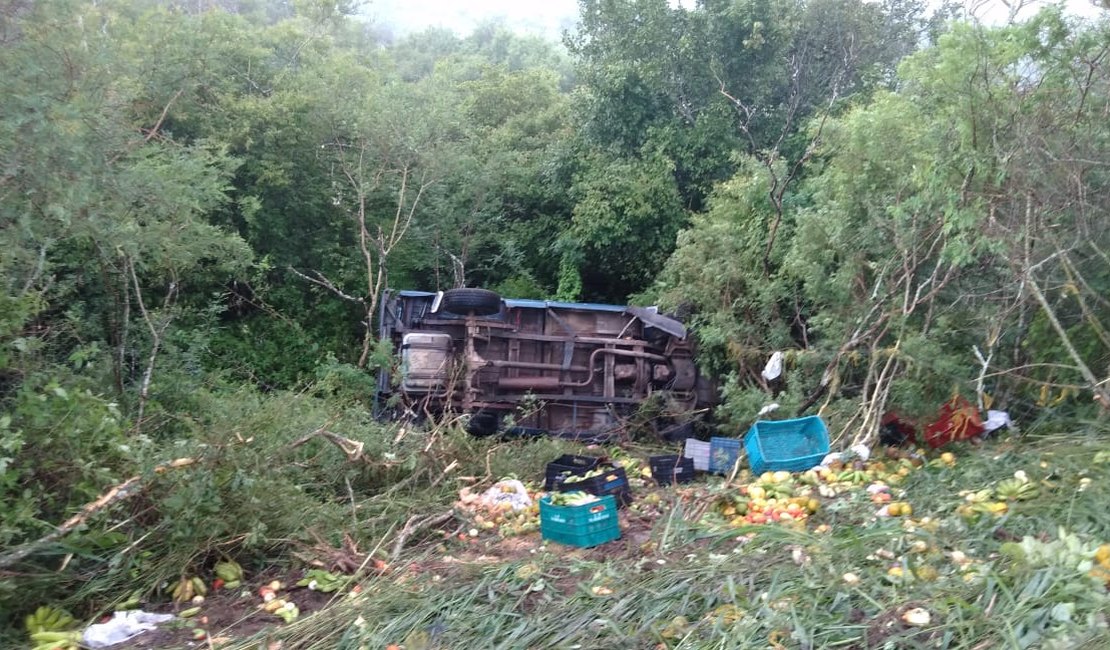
[550,17]
[545,17]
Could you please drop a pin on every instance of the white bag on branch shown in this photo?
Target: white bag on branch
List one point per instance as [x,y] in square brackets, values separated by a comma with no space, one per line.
[773,369]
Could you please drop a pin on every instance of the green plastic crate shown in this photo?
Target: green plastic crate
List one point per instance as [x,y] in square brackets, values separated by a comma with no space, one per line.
[589,524]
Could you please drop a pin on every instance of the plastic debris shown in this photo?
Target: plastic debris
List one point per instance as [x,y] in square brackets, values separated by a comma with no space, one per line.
[863,452]
[997,420]
[122,626]
[773,406]
[773,369]
[509,491]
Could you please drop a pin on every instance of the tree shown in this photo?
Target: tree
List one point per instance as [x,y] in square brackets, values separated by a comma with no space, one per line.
[916,251]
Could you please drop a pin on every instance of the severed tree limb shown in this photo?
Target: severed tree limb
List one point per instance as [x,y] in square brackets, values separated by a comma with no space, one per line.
[162,118]
[118,493]
[1102,396]
[352,449]
[417,523]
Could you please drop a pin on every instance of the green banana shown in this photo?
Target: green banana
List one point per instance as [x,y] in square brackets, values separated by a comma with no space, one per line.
[189,613]
[56,645]
[199,587]
[54,637]
[133,600]
[232,584]
[323,581]
[183,592]
[48,619]
[1016,490]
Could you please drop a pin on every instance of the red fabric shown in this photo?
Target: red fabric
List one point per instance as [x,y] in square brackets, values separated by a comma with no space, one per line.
[957,420]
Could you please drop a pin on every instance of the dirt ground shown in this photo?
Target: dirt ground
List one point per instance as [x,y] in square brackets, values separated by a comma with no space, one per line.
[233,615]
[227,614]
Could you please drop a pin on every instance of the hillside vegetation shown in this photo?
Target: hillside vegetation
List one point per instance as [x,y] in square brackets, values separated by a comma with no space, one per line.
[201,203]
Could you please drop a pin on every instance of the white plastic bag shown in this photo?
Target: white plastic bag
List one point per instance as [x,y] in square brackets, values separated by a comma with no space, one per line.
[773,406]
[773,369]
[996,420]
[122,627]
[863,452]
[509,491]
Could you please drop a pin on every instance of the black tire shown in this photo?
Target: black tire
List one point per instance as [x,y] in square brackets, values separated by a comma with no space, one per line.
[480,302]
[483,423]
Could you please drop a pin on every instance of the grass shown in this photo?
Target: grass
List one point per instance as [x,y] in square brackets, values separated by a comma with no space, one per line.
[682,576]
[690,584]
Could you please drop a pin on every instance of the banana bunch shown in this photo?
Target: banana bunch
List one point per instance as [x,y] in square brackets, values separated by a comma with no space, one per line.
[230,572]
[577,498]
[188,588]
[47,640]
[853,476]
[972,511]
[49,619]
[323,581]
[981,496]
[1013,489]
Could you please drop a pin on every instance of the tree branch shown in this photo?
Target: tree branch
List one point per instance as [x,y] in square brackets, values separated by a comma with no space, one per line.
[117,493]
[1096,386]
[322,281]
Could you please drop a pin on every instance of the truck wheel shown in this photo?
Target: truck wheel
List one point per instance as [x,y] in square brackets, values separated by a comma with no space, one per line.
[480,302]
[483,423]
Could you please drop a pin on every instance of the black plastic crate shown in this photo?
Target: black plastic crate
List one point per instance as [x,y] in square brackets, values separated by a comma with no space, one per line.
[614,481]
[567,464]
[668,470]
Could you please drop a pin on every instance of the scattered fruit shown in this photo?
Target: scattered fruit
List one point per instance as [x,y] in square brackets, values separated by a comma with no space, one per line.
[228,571]
[917,617]
[323,581]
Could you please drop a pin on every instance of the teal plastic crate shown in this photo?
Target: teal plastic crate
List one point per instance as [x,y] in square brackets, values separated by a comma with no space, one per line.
[589,524]
[723,454]
[787,445]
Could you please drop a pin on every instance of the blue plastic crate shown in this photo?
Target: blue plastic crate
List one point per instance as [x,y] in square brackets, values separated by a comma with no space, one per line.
[787,445]
[586,525]
[723,454]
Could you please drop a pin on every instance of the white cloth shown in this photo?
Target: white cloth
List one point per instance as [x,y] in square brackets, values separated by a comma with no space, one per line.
[122,627]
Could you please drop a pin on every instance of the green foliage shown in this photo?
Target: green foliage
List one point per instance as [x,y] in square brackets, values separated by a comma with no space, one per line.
[907,242]
[169,178]
[625,219]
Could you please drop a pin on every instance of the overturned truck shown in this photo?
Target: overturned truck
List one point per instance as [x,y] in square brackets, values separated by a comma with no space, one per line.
[571,369]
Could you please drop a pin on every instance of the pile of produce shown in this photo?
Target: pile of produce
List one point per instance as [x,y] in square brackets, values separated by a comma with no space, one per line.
[791,499]
[572,498]
[509,507]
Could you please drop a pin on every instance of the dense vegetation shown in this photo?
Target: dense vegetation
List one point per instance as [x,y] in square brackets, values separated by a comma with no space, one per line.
[200,204]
